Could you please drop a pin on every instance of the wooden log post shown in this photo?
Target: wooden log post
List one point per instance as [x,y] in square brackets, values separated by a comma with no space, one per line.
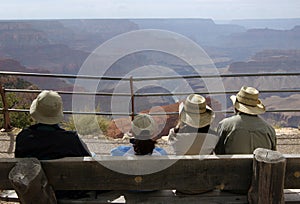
[268,177]
[31,184]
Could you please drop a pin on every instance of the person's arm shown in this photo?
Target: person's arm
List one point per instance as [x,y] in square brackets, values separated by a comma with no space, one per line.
[273,139]
[172,136]
[220,147]
[19,153]
[17,149]
[79,147]
[84,149]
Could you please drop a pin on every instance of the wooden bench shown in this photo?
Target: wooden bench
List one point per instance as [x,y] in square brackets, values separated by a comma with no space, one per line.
[264,178]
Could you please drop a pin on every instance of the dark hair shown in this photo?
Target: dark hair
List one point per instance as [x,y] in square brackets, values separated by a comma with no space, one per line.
[142,143]
[143,147]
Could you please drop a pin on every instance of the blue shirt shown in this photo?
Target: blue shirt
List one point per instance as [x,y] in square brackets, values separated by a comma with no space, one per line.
[128,150]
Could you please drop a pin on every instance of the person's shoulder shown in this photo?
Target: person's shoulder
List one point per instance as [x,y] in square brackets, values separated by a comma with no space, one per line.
[27,130]
[230,119]
[67,132]
[268,126]
[62,131]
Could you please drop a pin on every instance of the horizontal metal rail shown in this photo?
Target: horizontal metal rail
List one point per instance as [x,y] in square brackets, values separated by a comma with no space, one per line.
[150,94]
[6,110]
[153,113]
[149,78]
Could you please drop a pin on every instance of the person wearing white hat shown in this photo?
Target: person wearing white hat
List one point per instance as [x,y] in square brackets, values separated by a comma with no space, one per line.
[192,135]
[46,140]
[143,129]
[245,131]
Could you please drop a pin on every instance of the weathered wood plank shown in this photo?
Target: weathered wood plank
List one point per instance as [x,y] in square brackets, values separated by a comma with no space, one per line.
[192,172]
[292,172]
[224,172]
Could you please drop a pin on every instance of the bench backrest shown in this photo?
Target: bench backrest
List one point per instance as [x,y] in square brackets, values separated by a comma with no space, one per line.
[229,172]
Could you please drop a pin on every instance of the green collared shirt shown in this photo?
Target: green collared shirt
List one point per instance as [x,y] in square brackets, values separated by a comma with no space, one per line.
[242,134]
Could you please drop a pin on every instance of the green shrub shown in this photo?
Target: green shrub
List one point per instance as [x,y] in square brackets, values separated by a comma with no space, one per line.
[20,120]
[17,119]
[87,124]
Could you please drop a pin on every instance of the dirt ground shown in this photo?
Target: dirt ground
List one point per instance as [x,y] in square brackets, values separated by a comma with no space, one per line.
[288,142]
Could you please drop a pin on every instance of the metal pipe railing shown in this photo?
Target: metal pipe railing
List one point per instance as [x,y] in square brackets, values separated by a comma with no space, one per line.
[149,78]
[151,94]
[156,113]
[5,110]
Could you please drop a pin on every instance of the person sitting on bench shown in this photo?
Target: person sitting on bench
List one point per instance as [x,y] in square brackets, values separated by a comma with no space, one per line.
[46,140]
[143,131]
[192,135]
[245,131]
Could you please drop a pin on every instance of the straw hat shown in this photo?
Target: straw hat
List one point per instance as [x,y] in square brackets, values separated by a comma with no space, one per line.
[47,108]
[195,112]
[247,101]
[141,124]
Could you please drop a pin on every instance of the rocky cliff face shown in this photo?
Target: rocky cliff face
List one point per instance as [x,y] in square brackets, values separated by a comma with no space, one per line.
[14,35]
[262,38]
[59,46]
[89,34]
[203,31]
[41,83]
[269,61]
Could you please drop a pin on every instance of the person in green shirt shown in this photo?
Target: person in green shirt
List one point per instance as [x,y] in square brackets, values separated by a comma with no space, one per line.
[246,130]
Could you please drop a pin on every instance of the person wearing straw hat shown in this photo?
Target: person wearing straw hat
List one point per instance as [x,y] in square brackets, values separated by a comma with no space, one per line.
[46,140]
[192,135]
[143,129]
[245,131]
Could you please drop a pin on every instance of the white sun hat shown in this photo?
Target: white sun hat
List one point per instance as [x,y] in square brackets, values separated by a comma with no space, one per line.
[47,108]
[142,123]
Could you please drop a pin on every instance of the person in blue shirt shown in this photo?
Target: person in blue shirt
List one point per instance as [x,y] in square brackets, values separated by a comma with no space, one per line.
[143,129]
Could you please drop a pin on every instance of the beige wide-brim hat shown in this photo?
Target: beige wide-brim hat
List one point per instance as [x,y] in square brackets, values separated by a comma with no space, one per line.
[247,101]
[143,123]
[47,108]
[195,112]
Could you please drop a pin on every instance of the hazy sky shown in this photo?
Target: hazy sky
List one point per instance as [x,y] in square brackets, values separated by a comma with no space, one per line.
[215,9]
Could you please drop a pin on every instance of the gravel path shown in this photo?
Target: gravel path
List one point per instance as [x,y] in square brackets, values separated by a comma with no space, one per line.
[288,142]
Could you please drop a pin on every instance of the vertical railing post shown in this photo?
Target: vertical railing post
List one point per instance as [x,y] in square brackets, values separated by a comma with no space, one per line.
[132,98]
[6,119]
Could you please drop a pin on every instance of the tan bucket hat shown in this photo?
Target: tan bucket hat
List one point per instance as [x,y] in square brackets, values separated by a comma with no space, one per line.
[47,108]
[247,101]
[143,122]
[195,112]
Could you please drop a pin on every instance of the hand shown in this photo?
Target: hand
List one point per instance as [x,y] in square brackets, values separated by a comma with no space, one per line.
[172,136]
